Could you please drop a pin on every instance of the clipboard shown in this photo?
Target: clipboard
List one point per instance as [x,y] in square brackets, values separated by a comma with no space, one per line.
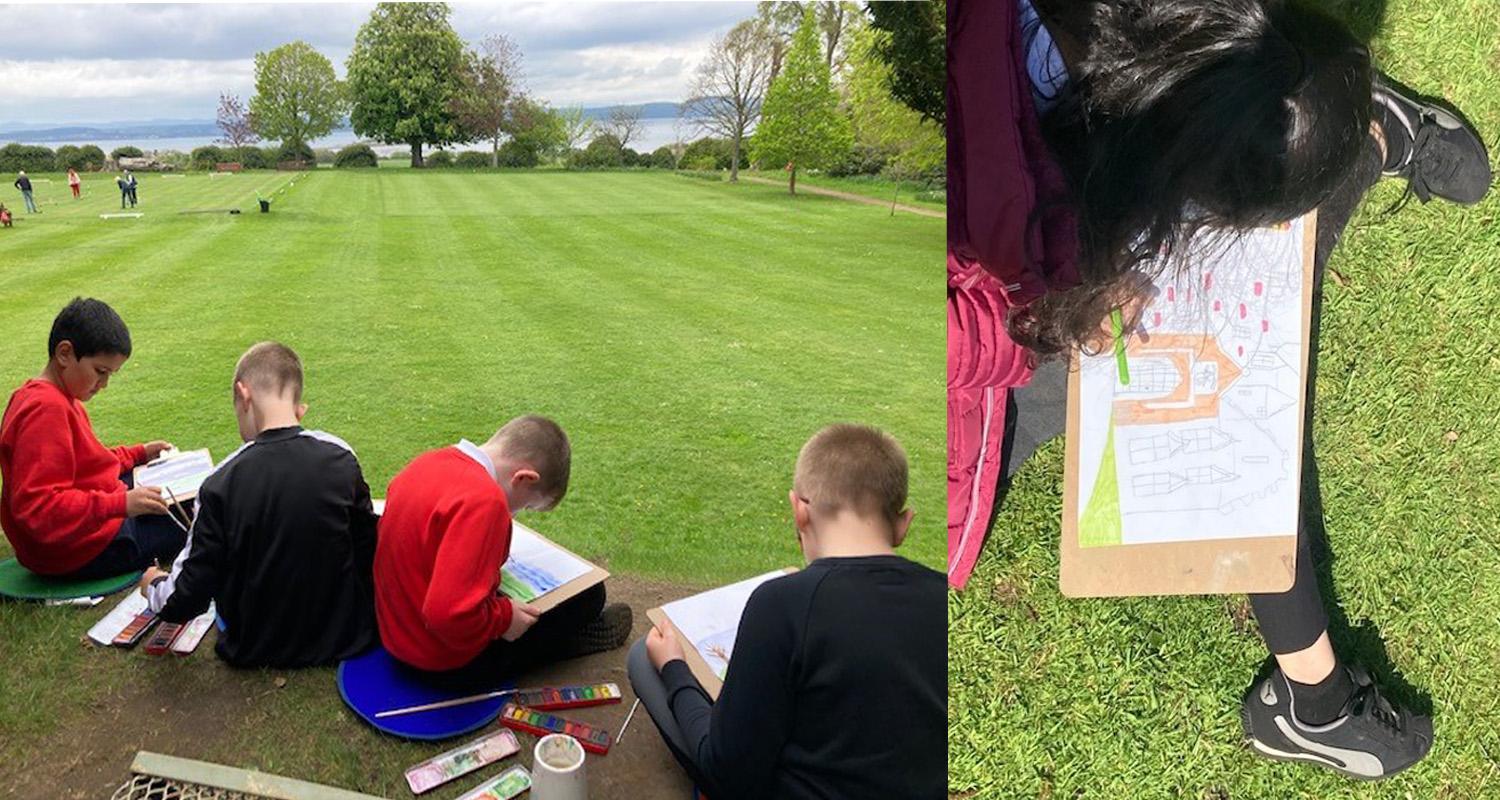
[552,598]
[182,472]
[700,668]
[1252,564]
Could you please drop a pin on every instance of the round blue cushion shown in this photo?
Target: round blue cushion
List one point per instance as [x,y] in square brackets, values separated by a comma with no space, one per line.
[375,682]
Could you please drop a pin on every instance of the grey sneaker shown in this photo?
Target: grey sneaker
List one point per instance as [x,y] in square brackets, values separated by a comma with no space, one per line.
[1370,740]
[1444,155]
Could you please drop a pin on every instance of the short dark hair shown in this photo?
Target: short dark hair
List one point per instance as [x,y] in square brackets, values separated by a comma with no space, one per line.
[92,326]
[273,367]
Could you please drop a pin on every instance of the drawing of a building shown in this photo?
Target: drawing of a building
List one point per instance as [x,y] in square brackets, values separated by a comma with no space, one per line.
[1181,378]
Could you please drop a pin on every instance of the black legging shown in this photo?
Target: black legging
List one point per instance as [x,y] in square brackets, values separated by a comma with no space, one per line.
[1291,620]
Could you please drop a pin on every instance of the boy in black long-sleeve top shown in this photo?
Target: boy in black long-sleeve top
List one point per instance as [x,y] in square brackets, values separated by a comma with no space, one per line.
[284,538]
[837,685]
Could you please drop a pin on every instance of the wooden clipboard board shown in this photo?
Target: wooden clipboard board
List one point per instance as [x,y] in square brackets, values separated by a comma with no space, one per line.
[700,669]
[567,591]
[1217,566]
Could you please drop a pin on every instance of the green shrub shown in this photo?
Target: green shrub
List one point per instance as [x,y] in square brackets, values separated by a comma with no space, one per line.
[206,157]
[441,159]
[661,158]
[472,159]
[859,160]
[400,155]
[128,151]
[720,150]
[28,157]
[295,151]
[253,158]
[517,153]
[604,151]
[356,156]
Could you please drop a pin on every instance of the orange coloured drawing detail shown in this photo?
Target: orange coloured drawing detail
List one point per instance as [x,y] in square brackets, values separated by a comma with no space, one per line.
[1174,377]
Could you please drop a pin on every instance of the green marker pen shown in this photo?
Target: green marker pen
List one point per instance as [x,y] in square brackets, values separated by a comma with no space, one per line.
[1122,368]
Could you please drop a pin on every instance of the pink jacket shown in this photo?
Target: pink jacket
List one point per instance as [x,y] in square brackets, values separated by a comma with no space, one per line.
[1002,252]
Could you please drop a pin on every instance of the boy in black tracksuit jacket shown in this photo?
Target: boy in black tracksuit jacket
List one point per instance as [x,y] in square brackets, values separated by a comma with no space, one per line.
[284,537]
[837,684]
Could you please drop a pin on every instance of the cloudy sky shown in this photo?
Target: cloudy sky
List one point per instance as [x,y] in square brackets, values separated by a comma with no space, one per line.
[104,63]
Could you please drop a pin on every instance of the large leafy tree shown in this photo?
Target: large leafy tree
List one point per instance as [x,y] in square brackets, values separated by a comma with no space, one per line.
[297,96]
[730,85]
[781,18]
[912,144]
[916,52]
[487,100]
[801,125]
[405,72]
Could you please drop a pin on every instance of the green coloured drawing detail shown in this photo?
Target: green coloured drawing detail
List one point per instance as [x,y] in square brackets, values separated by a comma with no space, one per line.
[1100,525]
[515,588]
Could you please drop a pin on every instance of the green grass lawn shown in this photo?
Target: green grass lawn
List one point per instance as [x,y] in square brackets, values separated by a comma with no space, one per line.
[689,336]
[1058,698]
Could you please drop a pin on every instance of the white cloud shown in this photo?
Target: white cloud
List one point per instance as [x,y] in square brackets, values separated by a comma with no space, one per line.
[91,63]
[108,78]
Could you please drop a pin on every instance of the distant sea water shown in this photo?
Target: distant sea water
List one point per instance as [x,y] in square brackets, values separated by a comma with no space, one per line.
[654,133]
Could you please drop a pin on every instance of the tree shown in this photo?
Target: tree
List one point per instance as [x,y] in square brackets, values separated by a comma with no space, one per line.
[403,74]
[917,54]
[912,144]
[730,84]
[577,127]
[235,121]
[800,123]
[297,97]
[537,133]
[624,124]
[782,18]
[485,107]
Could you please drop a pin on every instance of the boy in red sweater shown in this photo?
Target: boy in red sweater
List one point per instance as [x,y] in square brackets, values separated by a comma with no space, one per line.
[66,504]
[446,531]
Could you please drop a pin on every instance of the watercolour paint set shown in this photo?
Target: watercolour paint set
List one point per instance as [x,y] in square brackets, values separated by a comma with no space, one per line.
[539,723]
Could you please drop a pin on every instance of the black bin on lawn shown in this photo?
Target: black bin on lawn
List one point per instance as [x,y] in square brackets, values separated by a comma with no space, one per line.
[265,206]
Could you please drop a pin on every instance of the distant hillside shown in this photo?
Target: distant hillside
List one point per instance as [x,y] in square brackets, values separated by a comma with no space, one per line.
[145,130]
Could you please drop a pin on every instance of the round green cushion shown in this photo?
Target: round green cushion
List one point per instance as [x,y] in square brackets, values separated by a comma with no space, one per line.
[21,583]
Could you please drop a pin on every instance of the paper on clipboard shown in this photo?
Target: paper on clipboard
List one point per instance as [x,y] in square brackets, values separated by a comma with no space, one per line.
[707,624]
[180,474]
[1183,475]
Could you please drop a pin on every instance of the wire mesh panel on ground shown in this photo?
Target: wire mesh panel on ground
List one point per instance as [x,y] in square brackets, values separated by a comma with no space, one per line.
[159,777]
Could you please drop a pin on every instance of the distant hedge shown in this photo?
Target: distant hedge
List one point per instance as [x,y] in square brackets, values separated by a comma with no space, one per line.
[438,160]
[354,156]
[207,156]
[128,151]
[473,159]
[29,157]
[88,158]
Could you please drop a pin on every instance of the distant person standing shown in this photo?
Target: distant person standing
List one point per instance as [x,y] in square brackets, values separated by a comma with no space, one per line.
[24,184]
[124,183]
[130,179]
[74,182]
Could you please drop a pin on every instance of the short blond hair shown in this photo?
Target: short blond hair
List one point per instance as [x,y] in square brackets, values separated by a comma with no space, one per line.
[542,445]
[853,467]
[271,367]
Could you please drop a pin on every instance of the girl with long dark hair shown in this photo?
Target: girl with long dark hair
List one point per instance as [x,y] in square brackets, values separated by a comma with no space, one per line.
[1174,120]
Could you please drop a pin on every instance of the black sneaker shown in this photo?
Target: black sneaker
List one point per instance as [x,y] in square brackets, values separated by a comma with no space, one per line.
[608,632]
[1444,155]
[1370,740]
